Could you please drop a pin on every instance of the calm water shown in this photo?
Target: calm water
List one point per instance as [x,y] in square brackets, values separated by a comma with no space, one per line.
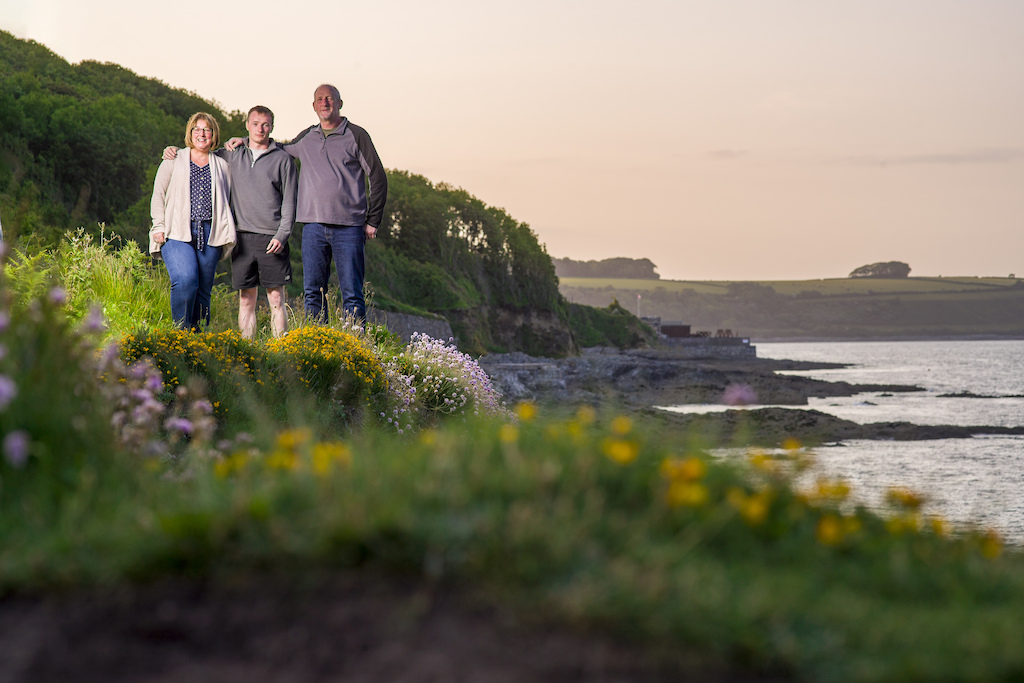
[977,480]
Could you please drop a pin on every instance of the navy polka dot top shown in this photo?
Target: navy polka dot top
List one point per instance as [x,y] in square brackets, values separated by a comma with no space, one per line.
[201,192]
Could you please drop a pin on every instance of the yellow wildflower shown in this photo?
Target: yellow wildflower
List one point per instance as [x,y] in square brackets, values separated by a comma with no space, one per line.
[326,454]
[792,444]
[829,530]
[282,460]
[762,461]
[622,425]
[508,433]
[621,451]
[294,438]
[586,415]
[832,489]
[753,508]
[905,498]
[690,494]
[898,524]
[991,545]
[526,411]
[687,470]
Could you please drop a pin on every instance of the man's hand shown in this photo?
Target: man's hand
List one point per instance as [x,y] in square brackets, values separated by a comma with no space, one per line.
[233,143]
[371,232]
[275,247]
[159,237]
[170,153]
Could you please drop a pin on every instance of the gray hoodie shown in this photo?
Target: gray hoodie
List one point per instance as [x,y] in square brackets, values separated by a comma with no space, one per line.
[263,191]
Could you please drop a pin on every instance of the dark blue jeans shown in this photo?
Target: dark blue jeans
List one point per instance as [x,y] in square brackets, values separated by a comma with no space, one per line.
[344,243]
[192,272]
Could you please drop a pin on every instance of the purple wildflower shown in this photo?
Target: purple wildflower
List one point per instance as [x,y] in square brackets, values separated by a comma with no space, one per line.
[178,424]
[202,406]
[739,395]
[95,321]
[5,320]
[8,390]
[58,296]
[155,381]
[16,448]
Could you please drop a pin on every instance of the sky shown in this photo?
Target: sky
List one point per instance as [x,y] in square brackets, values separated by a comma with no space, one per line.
[723,140]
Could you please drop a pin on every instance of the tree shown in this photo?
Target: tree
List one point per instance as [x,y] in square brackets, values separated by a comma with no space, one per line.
[888,269]
[640,269]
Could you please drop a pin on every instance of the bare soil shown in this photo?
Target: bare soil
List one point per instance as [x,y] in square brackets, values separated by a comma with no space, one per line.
[351,627]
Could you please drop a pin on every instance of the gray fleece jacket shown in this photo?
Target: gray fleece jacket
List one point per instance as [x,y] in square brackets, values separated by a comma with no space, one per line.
[333,174]
[263,191]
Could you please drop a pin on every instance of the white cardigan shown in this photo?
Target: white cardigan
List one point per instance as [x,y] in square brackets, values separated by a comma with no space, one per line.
[171,206]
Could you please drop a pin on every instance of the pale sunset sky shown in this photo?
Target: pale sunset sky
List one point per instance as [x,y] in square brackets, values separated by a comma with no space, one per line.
[727,139]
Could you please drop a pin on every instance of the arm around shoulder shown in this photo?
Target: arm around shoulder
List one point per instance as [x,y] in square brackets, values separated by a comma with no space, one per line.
[289,195]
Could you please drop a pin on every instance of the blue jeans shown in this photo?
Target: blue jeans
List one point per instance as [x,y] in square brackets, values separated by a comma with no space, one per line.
[192,272]
[345,243]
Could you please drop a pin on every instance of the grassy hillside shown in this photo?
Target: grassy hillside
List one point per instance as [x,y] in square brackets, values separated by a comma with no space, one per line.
[841,307]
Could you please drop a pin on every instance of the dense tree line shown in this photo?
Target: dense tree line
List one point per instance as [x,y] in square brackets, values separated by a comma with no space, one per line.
[639,269]
[81,142]
[444,248]
[886,269]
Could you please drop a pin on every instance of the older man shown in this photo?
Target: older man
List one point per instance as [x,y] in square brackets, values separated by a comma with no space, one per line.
[337,158]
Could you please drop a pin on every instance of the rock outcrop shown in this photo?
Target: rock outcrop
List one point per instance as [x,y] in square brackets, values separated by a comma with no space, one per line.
[646,377]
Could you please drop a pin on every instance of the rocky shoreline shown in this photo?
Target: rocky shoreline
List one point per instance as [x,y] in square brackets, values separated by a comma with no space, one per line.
[640,379]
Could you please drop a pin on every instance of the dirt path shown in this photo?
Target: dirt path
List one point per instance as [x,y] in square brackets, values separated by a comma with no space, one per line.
[346,629]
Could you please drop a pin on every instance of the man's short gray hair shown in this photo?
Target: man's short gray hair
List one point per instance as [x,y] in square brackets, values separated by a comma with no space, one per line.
[334,91]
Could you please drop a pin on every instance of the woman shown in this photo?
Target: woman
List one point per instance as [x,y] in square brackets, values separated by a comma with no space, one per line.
[192,223]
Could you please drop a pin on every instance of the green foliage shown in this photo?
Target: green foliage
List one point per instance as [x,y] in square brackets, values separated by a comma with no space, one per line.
[82,141]
[888,269]
[443,250]
[421,284]
[53,430]
[611,326]
[126,288]
[641,269]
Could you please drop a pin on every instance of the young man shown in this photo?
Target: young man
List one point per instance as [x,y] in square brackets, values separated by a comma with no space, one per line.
[338,158]
[263,194]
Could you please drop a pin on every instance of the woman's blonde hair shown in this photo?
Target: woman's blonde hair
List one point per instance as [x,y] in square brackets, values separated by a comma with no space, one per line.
[210,121]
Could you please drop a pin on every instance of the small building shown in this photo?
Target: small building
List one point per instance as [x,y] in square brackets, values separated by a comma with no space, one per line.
[680,336]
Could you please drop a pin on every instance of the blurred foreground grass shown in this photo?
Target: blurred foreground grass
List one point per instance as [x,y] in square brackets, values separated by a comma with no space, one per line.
[597,523]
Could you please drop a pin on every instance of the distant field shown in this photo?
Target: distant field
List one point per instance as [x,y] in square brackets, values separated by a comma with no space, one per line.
[829,287]
[835,308]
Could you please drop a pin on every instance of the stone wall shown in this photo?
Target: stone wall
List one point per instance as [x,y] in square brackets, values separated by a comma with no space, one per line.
[404,324]
[710,347]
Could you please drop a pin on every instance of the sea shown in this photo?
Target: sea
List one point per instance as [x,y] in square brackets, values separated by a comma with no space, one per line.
[977,481]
